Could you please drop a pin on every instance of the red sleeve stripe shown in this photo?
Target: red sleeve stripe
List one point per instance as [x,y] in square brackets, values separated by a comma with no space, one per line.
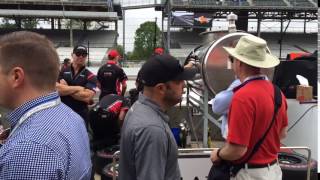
[90,76]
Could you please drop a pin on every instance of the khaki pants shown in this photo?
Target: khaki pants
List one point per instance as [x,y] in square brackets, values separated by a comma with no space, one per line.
[268,173]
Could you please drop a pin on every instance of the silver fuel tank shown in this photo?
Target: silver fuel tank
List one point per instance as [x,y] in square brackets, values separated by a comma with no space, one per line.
[215,69]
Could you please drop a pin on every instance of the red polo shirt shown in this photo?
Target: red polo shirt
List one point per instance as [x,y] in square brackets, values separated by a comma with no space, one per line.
[250,115]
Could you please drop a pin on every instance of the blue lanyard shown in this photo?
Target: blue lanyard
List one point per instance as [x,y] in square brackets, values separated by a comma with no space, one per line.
[30,112]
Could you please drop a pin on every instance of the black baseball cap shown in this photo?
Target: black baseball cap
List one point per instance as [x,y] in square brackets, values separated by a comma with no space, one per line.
[164,68]
[80,49]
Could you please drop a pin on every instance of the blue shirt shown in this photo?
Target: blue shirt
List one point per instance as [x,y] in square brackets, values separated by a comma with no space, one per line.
[221,103]
[50,144]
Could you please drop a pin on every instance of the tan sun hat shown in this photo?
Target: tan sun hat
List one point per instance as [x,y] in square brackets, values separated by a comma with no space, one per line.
[253,51]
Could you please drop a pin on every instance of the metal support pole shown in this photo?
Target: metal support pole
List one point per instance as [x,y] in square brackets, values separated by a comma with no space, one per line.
[116,28]
[155,34]
[88,61]
[124,34]
[162,37]
[205,119]
[71,33]
[18,23]
[259,25]
[59,24]
[52,23]
[85,25]
[168,28]
[305,22]
[281,35]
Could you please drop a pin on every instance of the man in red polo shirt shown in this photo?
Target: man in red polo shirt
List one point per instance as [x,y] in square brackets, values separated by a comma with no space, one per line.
[111,77]
[251,112]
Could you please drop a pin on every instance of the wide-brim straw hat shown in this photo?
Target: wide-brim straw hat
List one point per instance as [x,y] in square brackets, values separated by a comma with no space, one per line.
[253,51]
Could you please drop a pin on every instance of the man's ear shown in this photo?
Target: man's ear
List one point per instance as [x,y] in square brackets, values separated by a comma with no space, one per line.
[161,88]
[17,77]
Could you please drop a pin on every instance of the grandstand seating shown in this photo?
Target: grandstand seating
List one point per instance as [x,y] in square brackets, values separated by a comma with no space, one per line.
[269,3]
[75,2]
[98,41]
[189,40]
[242,3]
[211,2]
[206,2]
[61,38]
[301,3]
[235,3]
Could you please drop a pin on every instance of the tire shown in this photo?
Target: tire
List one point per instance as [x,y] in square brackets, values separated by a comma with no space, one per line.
[107,172]
[104,157]
[294,166]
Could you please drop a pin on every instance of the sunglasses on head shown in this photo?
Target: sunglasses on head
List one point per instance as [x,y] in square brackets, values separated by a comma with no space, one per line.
[231,59]
[83,54]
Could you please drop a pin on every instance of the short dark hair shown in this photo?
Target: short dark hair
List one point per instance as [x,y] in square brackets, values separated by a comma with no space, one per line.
[66,61]
[32,52]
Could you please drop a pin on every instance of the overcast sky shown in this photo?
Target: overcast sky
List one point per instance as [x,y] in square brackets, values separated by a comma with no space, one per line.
[133,19]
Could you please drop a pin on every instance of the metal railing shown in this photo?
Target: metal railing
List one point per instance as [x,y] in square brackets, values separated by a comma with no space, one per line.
[55,1]
[141,2]
[206,151]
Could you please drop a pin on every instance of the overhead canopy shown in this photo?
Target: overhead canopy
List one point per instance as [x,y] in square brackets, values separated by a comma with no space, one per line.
[89,15]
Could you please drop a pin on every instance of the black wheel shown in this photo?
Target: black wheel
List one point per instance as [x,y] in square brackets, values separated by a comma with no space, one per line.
[107,172]
[104,157]
[294,166]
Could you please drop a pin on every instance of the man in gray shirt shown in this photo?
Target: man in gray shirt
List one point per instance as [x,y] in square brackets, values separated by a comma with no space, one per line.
[148,150]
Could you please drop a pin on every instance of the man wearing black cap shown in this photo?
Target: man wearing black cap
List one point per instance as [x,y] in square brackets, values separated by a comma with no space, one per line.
[76,84]
[148,148]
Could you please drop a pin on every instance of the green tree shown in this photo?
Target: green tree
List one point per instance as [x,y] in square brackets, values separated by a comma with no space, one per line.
[144,40]
[11,23]
[119,48]
[7,23]
[76,24]
[29,23]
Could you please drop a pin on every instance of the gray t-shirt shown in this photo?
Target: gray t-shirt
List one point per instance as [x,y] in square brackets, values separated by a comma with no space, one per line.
[148,150]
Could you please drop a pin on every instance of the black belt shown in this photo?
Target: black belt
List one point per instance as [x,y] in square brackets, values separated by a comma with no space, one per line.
[253,166]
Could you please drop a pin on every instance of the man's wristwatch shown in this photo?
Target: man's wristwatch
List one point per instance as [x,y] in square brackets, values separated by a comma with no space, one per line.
[218,154]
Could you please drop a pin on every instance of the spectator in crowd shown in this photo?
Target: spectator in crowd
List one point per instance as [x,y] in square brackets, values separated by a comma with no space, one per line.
[134,93]
[106,119]
[220,105]
[111,78]
[66,63]
[76,84]
[158,51]
[251,113]
[148,148]
[48,140]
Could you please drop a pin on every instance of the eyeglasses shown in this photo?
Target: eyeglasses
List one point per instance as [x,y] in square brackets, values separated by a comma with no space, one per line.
[231,59]
[83,54]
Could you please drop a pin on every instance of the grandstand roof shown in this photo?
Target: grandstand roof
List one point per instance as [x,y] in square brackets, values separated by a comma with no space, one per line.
[108,16]
[93,5]
[292,5]
[189,40]
[76,9]
[293,9]
[61,38]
